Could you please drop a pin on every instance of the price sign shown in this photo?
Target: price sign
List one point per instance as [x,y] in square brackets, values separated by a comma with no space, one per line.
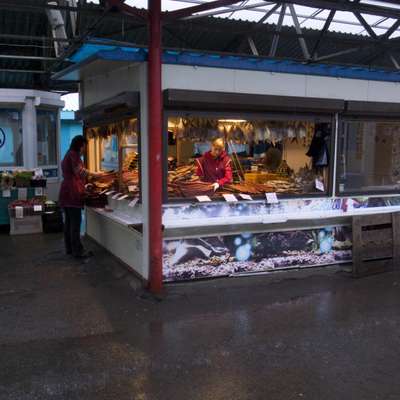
[38,191]
[110,192]
[6,193]
[132,188]
[133,202]
[19,212]
[271,198]
[230,198]
[22,193]
[245,196]
[116,195]
[37,208]
[203,199]
[319,185]
[123,197]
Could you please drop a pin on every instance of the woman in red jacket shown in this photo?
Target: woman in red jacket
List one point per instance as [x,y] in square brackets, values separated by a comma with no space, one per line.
[215,165]
[72,196]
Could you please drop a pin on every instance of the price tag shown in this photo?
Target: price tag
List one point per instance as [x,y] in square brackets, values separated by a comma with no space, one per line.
[38,173]
[245,196]
[38,191]
[110,192]
[133,202]
[123,197]
[132,188]
[271,198]
[22,193]
[103,191]
[230,198]
[116,195]
[319,185]
[19,212]
[6,193]
[37,208]
[203,199]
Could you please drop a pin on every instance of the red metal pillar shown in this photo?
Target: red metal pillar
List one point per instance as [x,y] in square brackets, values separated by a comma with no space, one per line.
[155,166]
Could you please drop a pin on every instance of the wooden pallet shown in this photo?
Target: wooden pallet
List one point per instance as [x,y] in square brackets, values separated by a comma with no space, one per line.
[376,243]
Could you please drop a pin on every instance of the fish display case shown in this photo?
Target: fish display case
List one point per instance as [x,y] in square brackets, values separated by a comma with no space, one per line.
[113,207]
[283,154]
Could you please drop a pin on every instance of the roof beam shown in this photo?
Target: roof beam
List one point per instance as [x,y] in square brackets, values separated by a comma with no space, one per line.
[302,41]
[127,10]
[90,30]
[391,30]
[18,5]
[253,46]
[275,39]
[394,61]
[19,57]
[187,12]
[365,24]
[268,14]
[22,71]
[322,33]
[345,5]
[258,7]
[337,54]
[241,39]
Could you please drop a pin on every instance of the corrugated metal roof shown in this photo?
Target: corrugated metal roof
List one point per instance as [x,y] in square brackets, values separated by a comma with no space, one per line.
[205,34]
[226,35]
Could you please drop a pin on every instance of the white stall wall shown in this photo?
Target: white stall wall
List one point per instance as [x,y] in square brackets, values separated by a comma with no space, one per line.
[132,77]
[127,77]
[259,82]
[108,84]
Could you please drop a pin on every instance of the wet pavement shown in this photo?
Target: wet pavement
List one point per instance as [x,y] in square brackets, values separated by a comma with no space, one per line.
[75,331]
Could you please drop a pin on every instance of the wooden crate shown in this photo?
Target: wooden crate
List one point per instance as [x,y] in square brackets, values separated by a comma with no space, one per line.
[376,243]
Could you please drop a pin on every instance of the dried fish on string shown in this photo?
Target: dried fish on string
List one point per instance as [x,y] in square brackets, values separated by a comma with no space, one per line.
[192,189]
[184,173]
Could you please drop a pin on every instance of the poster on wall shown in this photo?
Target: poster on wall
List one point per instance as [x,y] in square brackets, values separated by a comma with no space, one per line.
[194,258]
[6,146]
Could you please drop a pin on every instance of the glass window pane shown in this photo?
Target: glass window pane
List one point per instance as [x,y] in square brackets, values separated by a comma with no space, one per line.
[114,150]
[109,153]
[252,156]
[47,137]
[370,156]
[11,154]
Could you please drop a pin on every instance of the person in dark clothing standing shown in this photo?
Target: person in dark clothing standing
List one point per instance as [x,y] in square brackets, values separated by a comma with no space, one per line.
[72,196]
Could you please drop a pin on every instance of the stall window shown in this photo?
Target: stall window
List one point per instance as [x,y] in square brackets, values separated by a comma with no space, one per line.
[114,150]
[369,158]
[11,154]
[259,155]
[46,137]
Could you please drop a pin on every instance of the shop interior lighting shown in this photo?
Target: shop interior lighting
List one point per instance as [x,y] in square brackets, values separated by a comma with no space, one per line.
[237,121]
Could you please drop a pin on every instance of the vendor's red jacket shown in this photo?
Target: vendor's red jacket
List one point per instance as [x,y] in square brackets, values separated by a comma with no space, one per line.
[72,192]
[211,169]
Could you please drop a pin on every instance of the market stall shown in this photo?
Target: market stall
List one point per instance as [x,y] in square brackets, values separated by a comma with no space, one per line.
[307,149]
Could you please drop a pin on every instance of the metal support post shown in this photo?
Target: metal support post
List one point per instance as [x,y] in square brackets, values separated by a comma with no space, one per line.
[155,146]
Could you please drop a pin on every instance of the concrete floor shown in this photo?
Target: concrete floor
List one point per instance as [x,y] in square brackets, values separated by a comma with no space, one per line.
[68,334]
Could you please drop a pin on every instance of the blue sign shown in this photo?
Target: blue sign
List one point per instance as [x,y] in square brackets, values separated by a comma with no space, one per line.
[6,146]
[2,138]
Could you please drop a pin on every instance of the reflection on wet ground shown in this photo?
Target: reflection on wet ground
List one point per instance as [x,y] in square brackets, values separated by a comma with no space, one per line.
[73,331]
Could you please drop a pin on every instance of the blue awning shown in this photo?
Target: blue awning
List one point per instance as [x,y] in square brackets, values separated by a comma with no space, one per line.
[91,52]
